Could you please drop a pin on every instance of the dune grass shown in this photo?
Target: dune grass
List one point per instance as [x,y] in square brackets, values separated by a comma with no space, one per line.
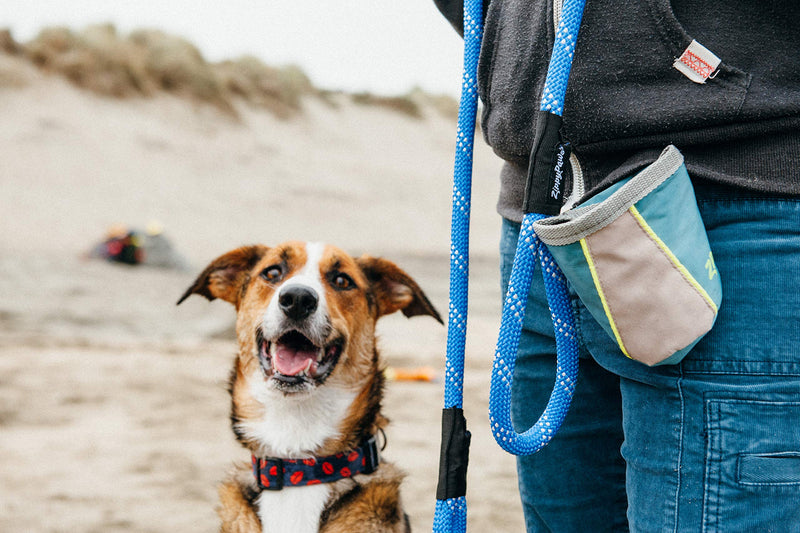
[145,63]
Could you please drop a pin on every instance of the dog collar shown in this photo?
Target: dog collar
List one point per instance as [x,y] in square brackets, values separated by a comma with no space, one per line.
[274,474]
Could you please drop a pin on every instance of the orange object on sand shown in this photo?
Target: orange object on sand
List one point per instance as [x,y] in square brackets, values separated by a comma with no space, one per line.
[420,373]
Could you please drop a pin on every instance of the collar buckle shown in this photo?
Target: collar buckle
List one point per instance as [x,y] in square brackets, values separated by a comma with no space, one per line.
[371,454]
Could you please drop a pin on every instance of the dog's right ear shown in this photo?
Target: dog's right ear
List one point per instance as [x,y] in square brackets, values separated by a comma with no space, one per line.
[225,276]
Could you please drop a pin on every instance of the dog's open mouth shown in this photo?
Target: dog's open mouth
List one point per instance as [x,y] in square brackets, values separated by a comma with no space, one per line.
[293,359]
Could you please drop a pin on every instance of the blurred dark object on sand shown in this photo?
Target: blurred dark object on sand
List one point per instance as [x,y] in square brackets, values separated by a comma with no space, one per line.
[135,247]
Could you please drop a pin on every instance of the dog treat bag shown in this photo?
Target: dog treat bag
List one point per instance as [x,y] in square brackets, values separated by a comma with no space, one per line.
[638,257]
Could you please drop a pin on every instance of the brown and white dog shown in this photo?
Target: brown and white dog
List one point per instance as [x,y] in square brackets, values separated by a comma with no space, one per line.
[307,386]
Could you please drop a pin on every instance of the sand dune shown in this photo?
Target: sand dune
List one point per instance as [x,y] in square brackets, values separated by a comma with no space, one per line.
[113,410]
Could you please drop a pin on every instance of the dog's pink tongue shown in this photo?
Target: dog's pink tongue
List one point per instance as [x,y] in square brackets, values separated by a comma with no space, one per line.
[291,362]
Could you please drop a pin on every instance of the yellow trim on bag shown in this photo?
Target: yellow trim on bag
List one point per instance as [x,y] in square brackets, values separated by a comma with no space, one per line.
[675,261]
[587,254]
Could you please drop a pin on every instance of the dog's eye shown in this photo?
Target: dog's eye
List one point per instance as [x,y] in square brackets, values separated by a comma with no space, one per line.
[272,273]
[342,282]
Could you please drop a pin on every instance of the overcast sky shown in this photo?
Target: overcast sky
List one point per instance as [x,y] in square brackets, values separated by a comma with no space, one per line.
[384,46]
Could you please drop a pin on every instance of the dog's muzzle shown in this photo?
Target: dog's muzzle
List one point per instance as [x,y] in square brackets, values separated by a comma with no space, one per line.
[300,353]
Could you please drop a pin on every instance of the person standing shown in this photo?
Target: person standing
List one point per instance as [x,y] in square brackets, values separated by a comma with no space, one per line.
[712,443]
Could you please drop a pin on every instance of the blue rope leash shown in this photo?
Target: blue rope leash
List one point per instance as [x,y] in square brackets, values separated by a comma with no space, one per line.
[528,247]
[451,505]
[555,85]
[462,198]
[536,437]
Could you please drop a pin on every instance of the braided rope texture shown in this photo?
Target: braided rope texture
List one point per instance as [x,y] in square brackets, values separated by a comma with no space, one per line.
[451,514]
[555,85]
[462,197]
[528,248]
[540,434]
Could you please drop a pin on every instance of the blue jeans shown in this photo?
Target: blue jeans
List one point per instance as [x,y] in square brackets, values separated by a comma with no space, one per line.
[711,444]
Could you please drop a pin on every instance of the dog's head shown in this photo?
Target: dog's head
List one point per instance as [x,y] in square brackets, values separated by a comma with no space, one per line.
[306,312]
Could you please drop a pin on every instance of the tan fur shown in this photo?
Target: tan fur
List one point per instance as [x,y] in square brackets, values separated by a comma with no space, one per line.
[362,504]
[235,511]
[375,507]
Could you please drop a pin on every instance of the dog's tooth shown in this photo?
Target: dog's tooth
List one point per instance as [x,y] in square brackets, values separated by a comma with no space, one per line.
[308,367]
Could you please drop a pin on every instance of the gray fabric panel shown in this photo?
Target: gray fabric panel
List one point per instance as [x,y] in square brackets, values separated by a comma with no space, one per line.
[576,224]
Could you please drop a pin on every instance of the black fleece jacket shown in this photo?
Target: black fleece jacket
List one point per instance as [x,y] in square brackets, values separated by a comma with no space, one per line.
[625,102]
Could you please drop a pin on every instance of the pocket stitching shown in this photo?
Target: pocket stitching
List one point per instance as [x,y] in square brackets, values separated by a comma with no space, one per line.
[764,484]
[711,444]
[713,414]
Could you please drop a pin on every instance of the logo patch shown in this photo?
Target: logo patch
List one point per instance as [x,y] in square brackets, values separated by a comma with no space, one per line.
[697,63]
[559,173]
[556,192]
[711,266]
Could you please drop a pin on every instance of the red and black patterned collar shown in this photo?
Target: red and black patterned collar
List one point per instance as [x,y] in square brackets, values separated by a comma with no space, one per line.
[275,474]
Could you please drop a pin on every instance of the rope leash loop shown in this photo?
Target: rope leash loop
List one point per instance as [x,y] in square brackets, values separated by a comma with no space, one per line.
[540,200]
[529,249]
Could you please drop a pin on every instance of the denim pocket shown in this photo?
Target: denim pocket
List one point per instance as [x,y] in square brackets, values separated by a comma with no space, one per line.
[752,469]
[763,469]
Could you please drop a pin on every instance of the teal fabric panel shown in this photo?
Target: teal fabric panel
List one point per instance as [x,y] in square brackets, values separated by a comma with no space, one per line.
[671,211]
[572,262]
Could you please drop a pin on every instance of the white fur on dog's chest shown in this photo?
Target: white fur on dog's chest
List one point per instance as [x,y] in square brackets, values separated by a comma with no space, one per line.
[291,427]
[293,509]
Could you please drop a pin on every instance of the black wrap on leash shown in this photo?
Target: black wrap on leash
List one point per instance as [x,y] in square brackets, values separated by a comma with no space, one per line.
[454,455]
[549,168]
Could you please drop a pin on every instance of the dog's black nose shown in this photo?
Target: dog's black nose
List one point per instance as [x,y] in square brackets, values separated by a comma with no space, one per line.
[297,302]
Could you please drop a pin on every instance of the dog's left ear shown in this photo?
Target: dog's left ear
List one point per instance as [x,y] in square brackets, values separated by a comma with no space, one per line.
[226,275]
[395,290]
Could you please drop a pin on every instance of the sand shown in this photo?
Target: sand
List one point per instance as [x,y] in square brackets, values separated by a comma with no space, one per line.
[113,402]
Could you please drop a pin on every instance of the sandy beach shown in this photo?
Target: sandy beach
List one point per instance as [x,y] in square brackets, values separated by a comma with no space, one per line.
[113,402]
